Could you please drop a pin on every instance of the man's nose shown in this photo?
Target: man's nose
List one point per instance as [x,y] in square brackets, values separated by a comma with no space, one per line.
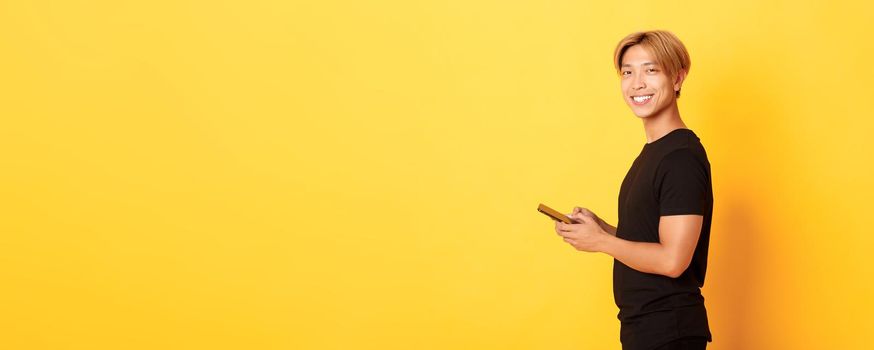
[637,83]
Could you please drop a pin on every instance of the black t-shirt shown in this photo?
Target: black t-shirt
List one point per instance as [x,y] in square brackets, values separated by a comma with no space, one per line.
[671,176]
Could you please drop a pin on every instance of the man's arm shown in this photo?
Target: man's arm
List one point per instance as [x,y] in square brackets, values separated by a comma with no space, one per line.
[678,237]
[607,227]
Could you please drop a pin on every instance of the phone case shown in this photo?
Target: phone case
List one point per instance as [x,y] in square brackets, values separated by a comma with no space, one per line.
[554,214]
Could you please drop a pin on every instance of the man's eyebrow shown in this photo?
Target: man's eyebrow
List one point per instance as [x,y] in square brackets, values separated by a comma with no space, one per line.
[642,64]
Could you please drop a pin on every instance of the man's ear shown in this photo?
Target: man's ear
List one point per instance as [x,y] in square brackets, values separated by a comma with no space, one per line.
[678,82]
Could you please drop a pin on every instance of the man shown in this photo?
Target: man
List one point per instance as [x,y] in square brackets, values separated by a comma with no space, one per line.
[665,206]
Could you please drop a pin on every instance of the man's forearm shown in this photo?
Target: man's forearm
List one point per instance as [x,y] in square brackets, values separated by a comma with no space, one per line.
[607,227]
[641,256]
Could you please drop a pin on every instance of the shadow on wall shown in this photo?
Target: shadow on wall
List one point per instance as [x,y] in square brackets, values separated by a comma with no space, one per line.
[744,120]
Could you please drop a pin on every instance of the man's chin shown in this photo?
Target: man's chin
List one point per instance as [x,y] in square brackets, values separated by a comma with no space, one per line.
[641,114]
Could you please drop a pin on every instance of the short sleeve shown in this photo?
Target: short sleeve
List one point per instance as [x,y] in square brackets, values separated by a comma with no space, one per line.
[683,183]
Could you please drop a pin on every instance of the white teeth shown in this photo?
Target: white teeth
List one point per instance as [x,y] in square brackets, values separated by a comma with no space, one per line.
[641,98]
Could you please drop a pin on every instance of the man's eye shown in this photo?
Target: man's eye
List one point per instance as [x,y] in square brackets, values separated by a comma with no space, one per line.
[652,70]
[626,72]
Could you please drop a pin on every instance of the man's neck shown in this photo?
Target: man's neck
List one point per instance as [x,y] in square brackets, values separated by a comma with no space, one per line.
[661,124]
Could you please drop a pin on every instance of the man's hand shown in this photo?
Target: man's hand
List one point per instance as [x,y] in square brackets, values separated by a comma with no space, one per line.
[586,212]
[610,229]
[586,234]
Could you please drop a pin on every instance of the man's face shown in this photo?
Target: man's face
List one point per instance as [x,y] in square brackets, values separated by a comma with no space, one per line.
[644,78]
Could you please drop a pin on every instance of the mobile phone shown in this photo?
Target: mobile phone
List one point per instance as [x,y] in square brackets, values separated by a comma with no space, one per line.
[554,214]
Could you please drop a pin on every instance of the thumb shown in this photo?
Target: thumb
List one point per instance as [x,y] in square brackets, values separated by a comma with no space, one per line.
[579,217]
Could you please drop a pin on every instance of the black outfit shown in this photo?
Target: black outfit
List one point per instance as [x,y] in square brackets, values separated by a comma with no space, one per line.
[691,343]
[671,176]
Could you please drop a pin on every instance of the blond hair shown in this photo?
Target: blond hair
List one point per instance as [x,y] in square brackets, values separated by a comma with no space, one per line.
[669,51]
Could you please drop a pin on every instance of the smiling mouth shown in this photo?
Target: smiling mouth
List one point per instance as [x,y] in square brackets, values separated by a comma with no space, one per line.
[641,100]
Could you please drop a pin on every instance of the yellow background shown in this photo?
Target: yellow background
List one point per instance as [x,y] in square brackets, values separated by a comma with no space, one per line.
[364,174]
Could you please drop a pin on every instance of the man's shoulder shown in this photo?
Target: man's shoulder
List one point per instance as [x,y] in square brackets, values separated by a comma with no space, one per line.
[683,159]
[685,150]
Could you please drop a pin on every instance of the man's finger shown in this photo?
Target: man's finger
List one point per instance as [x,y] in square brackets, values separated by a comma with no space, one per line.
[565,228]
[585,218]
[579,217]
